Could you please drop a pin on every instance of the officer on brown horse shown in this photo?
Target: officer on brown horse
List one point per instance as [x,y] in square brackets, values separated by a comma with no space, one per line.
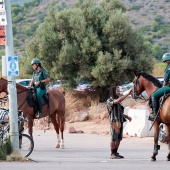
[161,91]
[39,80]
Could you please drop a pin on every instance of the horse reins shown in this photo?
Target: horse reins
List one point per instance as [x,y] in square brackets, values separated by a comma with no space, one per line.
[24,100]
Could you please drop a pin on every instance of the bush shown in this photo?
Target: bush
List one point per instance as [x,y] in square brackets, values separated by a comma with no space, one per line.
[5,149]
[137,7]
[18,18]
[41,17]
[159,18]
[16,42]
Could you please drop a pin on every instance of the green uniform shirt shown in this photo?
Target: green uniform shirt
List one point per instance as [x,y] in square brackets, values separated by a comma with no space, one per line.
[167,75]
[160,92]
[39,76]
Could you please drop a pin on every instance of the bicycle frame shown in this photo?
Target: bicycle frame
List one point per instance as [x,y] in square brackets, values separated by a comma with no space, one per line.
[26,143]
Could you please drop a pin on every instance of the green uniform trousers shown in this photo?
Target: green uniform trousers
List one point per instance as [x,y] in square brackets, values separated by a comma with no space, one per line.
[160,92]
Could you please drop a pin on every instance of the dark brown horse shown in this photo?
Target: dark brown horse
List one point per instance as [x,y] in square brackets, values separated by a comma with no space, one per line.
[56,110]
[149,83]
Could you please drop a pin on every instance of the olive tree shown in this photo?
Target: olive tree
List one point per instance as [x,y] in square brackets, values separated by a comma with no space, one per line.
[93,41]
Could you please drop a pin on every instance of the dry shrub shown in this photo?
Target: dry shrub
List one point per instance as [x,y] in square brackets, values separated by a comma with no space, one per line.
[73,104]
[15,156]
[77,101]
[93,109]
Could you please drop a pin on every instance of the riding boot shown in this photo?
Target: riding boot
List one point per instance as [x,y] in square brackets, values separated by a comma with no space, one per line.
[39,108]
[155,108]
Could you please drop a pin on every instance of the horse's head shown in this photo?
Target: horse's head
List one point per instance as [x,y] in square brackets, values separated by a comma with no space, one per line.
[3,85]
[138,86]
[144,81]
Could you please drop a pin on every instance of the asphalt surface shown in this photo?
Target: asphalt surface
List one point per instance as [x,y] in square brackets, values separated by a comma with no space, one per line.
[89,152]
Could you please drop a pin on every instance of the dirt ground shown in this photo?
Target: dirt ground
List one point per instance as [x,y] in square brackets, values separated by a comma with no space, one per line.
[98,121]
[90,127]
[99,125]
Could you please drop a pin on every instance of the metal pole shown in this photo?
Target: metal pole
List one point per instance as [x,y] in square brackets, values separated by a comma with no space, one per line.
[13,111]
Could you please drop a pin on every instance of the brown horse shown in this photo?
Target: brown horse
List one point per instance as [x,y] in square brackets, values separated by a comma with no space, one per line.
[149,83]
[56,110]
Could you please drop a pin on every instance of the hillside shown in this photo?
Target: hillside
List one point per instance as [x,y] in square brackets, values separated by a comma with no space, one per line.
[149,16]
[146,13]
[20,2]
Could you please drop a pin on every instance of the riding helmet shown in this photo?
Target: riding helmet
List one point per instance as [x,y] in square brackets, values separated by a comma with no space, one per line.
[166,57]
[35,61]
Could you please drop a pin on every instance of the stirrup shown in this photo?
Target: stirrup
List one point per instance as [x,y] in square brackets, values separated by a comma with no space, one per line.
[38,115]
[152,117]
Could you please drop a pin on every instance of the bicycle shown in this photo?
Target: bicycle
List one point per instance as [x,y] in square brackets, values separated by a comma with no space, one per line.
[26,143]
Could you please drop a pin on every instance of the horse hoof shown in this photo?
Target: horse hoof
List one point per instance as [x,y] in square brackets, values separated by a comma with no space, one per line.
[153,159]
[168,157]
[47,128]
[62,146]
[57,146]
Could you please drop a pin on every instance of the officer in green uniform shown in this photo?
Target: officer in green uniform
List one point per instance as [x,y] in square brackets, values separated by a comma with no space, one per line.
[165,89]
[39,80]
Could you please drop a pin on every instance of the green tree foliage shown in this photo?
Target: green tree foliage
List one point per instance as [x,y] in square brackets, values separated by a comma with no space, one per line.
[93,42]
[157,51]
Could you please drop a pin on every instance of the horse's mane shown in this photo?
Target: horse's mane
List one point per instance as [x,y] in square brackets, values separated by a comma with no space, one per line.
[155,81]
[17,84]
[20,86]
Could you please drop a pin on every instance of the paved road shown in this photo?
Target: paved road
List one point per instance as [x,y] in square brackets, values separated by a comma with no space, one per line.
[89,152]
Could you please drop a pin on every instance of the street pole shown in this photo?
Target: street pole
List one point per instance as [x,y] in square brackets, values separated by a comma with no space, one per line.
[12,94]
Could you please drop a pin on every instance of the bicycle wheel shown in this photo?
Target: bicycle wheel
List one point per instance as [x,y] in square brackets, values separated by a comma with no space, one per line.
[26,145]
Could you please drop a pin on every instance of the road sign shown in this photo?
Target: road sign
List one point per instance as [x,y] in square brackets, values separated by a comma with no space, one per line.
[12,66]
[2,35]
[3,20]
[2,4]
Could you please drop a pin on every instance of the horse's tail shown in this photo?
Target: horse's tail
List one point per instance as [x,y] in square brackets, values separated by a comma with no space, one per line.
[61,121]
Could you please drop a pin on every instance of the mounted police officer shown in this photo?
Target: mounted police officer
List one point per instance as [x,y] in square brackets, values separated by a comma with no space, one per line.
[161,91]
[39,80]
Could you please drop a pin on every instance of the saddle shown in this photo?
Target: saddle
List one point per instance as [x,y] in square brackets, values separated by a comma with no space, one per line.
[31,98]
[161,101]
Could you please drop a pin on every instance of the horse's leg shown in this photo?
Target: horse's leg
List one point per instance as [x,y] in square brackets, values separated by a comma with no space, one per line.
[56,127]
[168,156]
[61,121]
[30,125]
[156,146]
[168,140]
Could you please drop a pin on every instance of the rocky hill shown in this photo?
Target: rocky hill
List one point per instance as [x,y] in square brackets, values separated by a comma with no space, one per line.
[150,16]
[144,12]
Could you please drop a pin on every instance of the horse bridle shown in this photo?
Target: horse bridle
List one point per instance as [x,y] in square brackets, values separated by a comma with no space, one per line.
[134,95]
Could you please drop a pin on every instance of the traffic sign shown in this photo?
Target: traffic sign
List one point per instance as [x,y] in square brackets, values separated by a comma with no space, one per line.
[2,35]
[2,4]
[12,66]
[3,20]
